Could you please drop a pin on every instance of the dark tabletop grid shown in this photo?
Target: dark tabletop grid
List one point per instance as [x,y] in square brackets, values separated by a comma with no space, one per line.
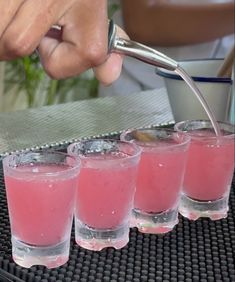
[194,251]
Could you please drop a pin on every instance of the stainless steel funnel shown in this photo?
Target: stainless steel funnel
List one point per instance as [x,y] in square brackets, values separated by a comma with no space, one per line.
[138,51]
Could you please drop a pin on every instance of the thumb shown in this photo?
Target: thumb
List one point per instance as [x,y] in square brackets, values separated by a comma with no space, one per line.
[111,69]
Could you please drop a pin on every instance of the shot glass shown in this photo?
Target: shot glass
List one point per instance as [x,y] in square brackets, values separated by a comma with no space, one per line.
[40,189]
[209,170]
[105,192]
[159,179]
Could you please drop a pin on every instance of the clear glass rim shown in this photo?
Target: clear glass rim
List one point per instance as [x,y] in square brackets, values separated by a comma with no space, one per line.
[136,153]
[13,169]
[185,141]
[225,125]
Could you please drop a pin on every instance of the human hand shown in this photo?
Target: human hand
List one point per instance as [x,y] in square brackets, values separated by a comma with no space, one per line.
[83,43]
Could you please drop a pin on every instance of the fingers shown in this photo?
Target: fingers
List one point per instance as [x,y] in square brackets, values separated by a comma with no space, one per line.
[110,70]
[8,10]
[84,40]
[26,23]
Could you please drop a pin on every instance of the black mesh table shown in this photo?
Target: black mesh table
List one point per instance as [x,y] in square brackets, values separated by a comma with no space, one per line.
[194,251]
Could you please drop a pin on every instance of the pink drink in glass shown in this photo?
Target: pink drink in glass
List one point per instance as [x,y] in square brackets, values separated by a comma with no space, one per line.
[159,178]
[37,202]
[105,193]
[210,167]
[209,170]
[40,200]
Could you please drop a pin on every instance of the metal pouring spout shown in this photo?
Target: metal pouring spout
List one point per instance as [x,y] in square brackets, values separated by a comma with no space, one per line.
[138,51]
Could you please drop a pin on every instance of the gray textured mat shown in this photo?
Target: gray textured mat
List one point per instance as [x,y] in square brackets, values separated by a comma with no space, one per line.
[59,123]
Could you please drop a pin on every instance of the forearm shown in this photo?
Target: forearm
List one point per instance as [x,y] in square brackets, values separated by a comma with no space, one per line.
[169,24]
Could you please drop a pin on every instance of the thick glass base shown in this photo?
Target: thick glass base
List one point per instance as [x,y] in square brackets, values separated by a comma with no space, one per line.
[96,239]
[50,256]
[154,223]
[194,209]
